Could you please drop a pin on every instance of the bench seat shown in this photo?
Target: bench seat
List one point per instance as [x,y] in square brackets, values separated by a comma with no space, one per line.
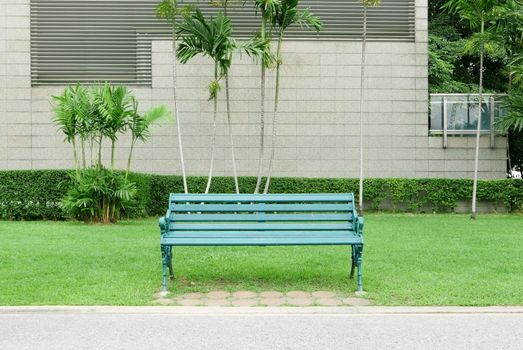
[261,220]
[246,238]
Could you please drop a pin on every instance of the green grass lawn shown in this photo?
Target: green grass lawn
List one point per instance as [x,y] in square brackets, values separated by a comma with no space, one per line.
[408,260]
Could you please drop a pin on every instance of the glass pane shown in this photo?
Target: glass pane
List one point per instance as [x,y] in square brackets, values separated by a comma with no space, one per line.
[499,110]
[458,113]
[463,113]
[485,113]
[436,113]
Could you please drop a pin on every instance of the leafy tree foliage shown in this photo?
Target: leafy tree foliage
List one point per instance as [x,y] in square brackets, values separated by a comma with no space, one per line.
[453,71]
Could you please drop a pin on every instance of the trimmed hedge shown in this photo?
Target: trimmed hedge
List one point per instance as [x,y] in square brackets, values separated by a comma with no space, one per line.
[32,195]
[36,194]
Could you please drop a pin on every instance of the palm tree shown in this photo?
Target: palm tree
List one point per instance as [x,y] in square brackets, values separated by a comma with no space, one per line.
[84,111]
[66,118]
[225,4]
[140,124]
[285,14]
[115,105]
[168,10]
[266,8]
[211,38]
[366,4]
[478,14]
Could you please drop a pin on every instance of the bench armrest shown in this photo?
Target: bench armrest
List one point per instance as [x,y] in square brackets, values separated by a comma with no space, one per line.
[164,224]
[359,225]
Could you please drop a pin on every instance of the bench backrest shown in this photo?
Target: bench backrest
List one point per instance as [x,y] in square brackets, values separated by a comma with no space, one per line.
[300,212]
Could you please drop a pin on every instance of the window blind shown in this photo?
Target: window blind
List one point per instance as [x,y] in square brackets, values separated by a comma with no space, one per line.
[110,40]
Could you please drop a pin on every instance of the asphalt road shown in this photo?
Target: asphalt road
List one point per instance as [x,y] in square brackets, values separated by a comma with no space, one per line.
[260,328]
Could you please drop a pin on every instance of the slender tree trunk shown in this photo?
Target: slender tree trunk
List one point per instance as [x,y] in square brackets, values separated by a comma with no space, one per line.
[112,154]
[229,126]
[478,132]
[362,105]
[91,149]
[75,155]
[176,112]
[231,138]
[213,142]
[262,109]
[129,159]
[100,141]
[275,114]
[83,153]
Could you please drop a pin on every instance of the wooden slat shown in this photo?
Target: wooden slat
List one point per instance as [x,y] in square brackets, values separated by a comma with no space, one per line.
[264,198]
[300,227]
[217,208]
[260,217]
[262,240]
[275,233]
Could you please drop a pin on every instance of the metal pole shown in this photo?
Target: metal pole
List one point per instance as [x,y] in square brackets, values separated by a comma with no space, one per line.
[492,129]
[445,123]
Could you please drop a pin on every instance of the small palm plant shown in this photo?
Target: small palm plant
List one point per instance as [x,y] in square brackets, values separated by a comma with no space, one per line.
[480,15]
[66,118]
[169,10]
[114,104]
[366,4]
[284,15]
[101,194]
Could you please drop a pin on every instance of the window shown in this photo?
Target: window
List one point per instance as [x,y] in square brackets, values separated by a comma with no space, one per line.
[457,114]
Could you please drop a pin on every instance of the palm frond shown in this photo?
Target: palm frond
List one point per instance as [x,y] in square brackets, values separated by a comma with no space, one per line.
[371,3]
[214,88]
[169,9]
[472,11]
[115,106]
[258,49]
[66,108]
[207,37]
[514,119]
[286,14]
[268,6]
[490,41]
[306,19]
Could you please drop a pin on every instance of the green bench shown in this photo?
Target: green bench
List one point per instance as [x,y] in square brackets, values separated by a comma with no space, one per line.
[261,220]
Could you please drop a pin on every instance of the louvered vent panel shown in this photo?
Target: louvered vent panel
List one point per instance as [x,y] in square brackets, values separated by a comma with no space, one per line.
[110,40]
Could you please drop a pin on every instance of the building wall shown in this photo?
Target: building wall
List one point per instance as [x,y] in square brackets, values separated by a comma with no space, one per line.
[318,129]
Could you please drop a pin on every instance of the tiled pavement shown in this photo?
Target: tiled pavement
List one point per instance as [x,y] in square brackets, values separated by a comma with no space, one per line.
[269,298]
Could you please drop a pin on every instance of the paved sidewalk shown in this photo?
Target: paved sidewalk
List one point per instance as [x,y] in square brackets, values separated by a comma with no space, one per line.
[267,298]
[260,328]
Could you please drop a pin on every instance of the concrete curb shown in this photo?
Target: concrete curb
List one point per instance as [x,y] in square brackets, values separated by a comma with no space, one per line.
[260,311]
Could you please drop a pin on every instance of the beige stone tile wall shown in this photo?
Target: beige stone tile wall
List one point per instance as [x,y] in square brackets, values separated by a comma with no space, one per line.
[318,130]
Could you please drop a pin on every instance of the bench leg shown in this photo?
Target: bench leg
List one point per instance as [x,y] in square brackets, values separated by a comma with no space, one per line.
[170,262]
[359,252]
[165,257]
[353,262]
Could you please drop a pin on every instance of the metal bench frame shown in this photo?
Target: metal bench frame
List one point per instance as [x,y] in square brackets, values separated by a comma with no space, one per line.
[261,220]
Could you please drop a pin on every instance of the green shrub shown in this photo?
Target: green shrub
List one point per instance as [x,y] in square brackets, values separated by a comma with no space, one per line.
[36,194]
[98,194]
[32,194]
